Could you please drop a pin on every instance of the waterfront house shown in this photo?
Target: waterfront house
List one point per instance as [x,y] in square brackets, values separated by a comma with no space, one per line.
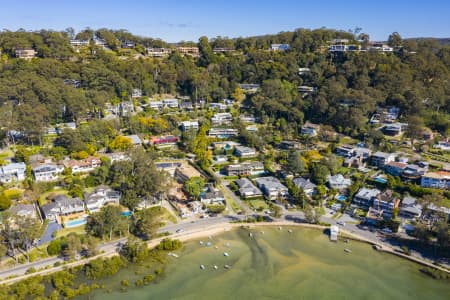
[310,129]
[272,187]
[100,197]
[345,151]
[47,172]
[171,103]
[158,52]
[365,197]
[247,189]
[306,185]
[279,47]
[167,140]
[12,172]
[212,197]
[62,206]
[386,202]
[410,208]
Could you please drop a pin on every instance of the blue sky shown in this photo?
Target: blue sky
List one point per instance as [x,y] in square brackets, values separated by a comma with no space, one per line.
[189,19]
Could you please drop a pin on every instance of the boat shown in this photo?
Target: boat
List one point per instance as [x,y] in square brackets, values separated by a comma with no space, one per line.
[215,247]
[250,234]
[377,247]
[226,266]
[290,230]
[215,267]
[208,244]
[227,244]
[346,240]
[279,228]
[226,254]
[262,232]
[348,250]
[201,243]
[202,267]
[173,255]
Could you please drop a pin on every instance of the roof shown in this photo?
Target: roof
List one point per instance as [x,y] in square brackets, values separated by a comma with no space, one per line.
[303,183]
[245,185]
[382,154]
[23,209]
[396,164]
[13,167]
[339,179]
[45,168]
[442,175]
[135,139]
[367,193]
[270,183]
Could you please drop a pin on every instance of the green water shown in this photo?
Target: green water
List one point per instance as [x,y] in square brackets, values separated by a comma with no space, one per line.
[303,264]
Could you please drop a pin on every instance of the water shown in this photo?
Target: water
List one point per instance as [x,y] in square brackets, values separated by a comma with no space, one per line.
[75,223]
[303,264]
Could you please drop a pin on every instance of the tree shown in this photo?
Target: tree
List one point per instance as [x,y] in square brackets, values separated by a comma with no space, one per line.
[121,143]
[147,222]
[415,128]
[319,173]
[135,250]
[395,40]
[5,202]
[238,94]
[194,186]
[105,222]
[295,163]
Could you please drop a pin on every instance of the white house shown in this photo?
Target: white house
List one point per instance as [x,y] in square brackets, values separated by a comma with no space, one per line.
[189,125]
[272,187]
[306,185]
[242,151]
[221,118]
[101,197]
[47,172]
[338,182]
[172,103]
[12,172]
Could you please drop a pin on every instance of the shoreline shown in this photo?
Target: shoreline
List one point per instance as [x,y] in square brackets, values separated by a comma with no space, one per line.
[218,229]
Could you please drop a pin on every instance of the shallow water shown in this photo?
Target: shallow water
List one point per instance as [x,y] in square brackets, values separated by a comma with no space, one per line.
[303,264]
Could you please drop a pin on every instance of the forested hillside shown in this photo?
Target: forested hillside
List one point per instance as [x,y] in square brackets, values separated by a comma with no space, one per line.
[347,86]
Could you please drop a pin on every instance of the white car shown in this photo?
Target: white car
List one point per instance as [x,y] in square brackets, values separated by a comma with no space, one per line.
[342,223]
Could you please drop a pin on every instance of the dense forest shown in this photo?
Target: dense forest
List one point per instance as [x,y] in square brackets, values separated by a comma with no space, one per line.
[348,86]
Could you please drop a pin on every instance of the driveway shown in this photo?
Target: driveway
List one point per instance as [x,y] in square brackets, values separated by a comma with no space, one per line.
[48,234]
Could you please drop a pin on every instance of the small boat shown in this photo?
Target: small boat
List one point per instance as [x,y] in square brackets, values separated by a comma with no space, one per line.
[226,254]
[377,247]
[215,267]
[250,234]
[262,232]
[227,244]
[201,243]
[346,241]
[173,255]
[226,266]
[208,244]
[290,230]
[279,228]
[215,247]
[202,267]
[348,250]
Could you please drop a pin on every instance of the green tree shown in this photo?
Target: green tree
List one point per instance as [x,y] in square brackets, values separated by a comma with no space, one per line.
[194,186]
[319,173]
[295,163]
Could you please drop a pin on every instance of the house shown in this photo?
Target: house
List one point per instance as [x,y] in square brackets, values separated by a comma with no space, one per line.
[158,52]
[223,50]
[386,202]
[249,88]
[128,45]
[363,152]
[354,162]
[219,106]
[305,185]
[248,168]
[156,104]
[339,182]
[380,47]
[168,167]
[392,129]
[192,51]
[189,125]
[345,150]
[305,89]
[223,133]
[25,53]
[23,211]
[364,197]
[413,172]
[186,105]
[395,168]
[62,206]
[379,159]
[242,151]
[184,172]
[212,197]
[290,145]
[220,158]
[247,189]
[279,47]
[79,43]
[310,129]
[439,180]
[167,140]
[171,103]
[272,187]
[135,140]
[221,118]
[13,172]
[225,145]
[117,156]
[62,126]
[125,108]
[443,145]
[100,197]
[410,208]
[47,172]
[248,119]
[136,93]
[83,166]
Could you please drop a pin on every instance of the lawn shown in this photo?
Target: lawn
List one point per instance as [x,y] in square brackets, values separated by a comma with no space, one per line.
[43,198]
[236,208]
[66,231]
[259,204]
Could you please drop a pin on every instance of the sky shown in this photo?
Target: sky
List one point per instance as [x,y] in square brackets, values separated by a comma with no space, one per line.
[187,20]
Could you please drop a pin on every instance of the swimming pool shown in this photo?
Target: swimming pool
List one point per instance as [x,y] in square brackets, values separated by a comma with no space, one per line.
[75,223]
[341,198]
[380,180]
[126,213]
